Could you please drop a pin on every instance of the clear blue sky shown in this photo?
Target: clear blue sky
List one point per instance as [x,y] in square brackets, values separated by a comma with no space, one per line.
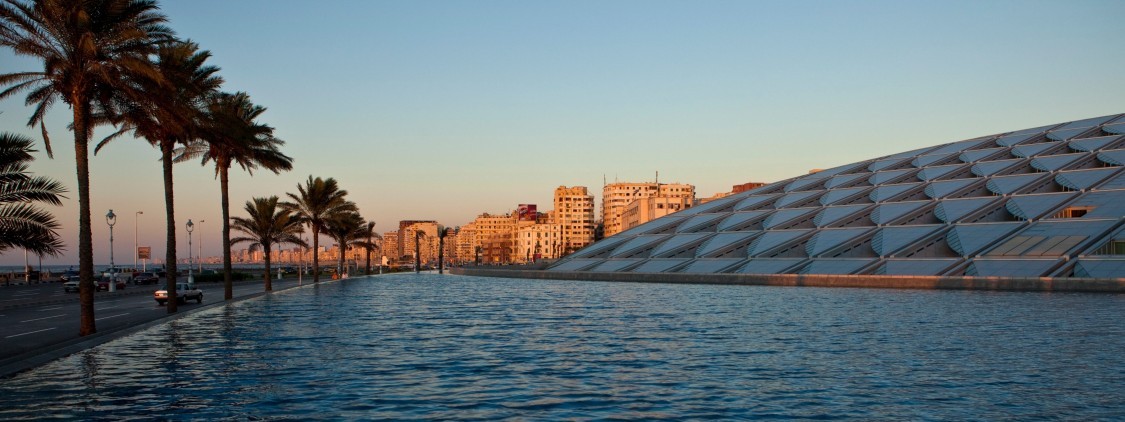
[446,109]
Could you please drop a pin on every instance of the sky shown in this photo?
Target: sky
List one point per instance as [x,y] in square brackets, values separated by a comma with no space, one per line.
[448,109]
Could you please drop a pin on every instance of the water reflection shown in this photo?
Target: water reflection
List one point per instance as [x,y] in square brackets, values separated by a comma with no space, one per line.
[430,347]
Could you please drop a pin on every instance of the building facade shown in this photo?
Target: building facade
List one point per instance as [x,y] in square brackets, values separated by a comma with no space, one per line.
[616,197]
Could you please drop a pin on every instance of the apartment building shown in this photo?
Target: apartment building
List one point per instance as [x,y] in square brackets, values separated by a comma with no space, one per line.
[617,197]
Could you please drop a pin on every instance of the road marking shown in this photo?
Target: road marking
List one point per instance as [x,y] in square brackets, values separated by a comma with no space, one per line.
[25,294]
[111,316]
[31,332]
[40,319]
[50,309]
[10,300]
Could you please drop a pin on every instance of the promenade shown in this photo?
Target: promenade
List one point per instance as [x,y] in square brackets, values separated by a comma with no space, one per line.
[42,321]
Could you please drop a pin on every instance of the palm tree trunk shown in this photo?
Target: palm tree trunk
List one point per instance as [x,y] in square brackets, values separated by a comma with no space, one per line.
[228,282]
[170,216]
[367,264]
[315,253]
[266,257]
[85,230]
[340,264]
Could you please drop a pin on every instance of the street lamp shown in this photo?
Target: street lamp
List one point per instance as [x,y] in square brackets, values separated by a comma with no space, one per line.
[136,244]
[190,227]
[201,248]
[111,219]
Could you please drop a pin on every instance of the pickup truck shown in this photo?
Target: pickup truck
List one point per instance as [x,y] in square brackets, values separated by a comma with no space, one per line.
[184,292]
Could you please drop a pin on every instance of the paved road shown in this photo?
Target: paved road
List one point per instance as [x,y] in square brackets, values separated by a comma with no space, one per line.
[39,317]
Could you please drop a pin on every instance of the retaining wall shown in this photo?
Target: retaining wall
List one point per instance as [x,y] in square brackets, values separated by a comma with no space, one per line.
[1036,284]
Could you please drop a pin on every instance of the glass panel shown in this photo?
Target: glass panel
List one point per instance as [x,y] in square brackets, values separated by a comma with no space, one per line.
[988,168]
[1009,140]
[831,215]
[1064,134]
[658,265]
[890,211]
[678,242]
[916,266]
[968,239]
[886,192]
[1055,162]
[978,154]
[1115,157]
[710,265]
[1084,179]
[637,243]
[845,179]
[739,219]
[826,239]
[723,241]
[835,266]
[782,216]
[890,239]
[793,198]
[931,173]
[836,195]
[1030,150]
[1116,128]
[951,210]
[945,188]
[1092,144]
[1087,122]
[1033,206]
[1005,185]
[615,265]
[1100,267]
[755,202]
[882,177]
[990,267]
[769,265]
[575,264]
[772,239]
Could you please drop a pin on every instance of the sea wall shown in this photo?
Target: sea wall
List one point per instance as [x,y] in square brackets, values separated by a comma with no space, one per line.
[1034,284]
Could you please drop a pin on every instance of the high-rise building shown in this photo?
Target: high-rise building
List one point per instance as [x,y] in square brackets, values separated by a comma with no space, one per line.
[616,197]
[574,216]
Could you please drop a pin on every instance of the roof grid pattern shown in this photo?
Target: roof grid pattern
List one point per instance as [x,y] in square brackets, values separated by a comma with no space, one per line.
[1029,202]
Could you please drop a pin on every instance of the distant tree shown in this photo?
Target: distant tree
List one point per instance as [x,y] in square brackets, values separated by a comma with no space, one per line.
[441,233]
[367,239]
[22,224]
[345,228]
[94,56]
[266,225]
[232,135]
[315,202]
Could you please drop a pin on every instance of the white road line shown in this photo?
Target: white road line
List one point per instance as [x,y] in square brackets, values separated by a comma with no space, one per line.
[25,294]
[50,309]
[111,316]
[10,300]
[31,332]
[40,319]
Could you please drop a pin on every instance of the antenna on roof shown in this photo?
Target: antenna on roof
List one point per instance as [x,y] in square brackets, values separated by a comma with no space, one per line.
[658,177]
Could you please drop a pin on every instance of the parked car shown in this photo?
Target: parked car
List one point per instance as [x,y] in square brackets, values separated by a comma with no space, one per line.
[184,292]
[103,284]
[71,285]
[68,276]
[145,278]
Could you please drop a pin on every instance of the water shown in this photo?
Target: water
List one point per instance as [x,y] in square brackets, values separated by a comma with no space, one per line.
[429,347]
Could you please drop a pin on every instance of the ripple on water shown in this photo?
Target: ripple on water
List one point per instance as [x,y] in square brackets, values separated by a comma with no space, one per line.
[411,347]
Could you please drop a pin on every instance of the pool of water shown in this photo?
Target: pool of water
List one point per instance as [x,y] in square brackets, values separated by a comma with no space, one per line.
[448,347]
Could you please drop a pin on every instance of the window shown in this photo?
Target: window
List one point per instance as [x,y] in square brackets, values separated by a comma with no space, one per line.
[1074,212]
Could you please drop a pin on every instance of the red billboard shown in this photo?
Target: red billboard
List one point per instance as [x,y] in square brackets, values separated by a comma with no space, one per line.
[527,212]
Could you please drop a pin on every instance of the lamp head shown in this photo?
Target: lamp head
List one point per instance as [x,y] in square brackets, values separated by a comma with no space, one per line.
[110,218]
[190,225]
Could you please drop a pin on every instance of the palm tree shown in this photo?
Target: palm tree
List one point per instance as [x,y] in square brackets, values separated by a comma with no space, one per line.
[232,135]
[267,225]
[316,201]
[170,114]
[94,54]
[23,225]
[345,228]
[366,239]
[441,233]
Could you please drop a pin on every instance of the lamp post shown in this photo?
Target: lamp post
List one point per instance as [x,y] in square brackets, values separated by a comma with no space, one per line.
[111,219]
[200,254]
[190,227]
[136,244]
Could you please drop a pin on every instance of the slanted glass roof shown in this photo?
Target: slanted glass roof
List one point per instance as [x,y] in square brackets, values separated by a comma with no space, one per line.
[988,168]
[1055,162]
[1028,207]
[1103,267]
[1054,193]
[1030,150]
[887,212]
[836,265]
[1084,179]
[1092,144]
[886,192]
[827,239]
[935,266]
[890,239]
[978,154]
[968,239]
[952,210]
[769,265]
[993,267]
[659,265]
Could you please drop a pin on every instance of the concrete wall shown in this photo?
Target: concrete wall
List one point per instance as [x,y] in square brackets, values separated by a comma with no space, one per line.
[1039,284]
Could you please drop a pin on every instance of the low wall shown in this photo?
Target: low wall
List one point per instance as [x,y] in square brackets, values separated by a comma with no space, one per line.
[1036,284]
